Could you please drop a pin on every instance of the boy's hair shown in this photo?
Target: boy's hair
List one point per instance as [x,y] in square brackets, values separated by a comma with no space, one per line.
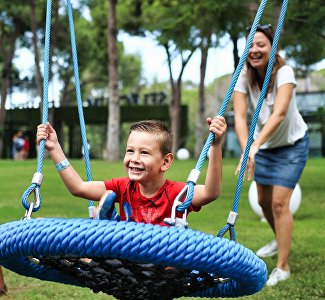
[163,134]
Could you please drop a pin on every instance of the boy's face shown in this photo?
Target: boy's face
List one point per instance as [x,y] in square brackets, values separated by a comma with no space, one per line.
[143,158]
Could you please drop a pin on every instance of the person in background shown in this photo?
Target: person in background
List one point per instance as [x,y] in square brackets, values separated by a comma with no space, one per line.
[3,287]
[26,148]
[144,195]
[279,151]
[18,144]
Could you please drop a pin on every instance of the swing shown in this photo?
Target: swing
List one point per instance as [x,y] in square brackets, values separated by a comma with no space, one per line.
[129,260]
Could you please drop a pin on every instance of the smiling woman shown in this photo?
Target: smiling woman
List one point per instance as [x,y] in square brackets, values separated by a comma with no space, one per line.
[279,151]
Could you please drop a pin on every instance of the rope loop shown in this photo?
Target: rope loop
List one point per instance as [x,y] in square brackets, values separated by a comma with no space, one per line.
[182,206]
[231,229]
[33,188]
[178,222]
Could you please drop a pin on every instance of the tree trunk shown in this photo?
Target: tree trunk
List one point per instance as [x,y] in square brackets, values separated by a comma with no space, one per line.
[5,77]
[200,128]
[175,114]
[175,102]
[113,124]
[235,51]
[39,77]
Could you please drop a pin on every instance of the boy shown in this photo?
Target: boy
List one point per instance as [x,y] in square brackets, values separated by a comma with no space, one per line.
[148,156]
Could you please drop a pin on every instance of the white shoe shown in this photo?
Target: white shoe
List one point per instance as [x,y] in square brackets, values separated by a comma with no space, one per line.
[276,276]
[268,250]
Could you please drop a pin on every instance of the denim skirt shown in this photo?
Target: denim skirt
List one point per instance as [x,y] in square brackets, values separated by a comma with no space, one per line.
[282,166]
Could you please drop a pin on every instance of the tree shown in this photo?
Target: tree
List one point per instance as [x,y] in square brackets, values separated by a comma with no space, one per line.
[113,124]
[33,21]
[171,24]
[13,24]
[209,29]
[303,37]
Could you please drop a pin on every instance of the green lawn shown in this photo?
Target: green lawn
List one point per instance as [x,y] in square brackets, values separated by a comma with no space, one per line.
[307,260]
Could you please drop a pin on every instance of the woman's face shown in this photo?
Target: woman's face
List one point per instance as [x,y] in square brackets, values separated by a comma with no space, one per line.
[259,53]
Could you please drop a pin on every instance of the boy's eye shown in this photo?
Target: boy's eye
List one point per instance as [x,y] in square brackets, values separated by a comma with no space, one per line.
[144,152]
[129,150]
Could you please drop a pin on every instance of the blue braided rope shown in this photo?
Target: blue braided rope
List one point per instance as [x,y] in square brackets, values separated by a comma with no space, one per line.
[36,187]
[78,95]
[257,112]
[137,242]
[206,147]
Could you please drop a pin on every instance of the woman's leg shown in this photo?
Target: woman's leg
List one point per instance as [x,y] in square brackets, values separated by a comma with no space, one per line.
[265,193]
[283,224]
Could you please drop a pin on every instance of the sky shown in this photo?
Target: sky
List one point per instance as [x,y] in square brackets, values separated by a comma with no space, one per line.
[220,60]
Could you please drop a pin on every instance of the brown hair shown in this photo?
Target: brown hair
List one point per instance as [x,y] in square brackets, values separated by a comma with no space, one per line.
[252,75]
[163,134]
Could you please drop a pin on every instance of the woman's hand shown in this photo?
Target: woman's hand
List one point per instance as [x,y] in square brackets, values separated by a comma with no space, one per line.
[218,126]
[250,167]
[46,132]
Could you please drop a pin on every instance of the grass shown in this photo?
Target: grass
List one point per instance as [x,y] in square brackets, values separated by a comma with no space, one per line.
[307,259]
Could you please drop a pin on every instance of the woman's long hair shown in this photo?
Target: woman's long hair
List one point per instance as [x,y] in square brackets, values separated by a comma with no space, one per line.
[252,75]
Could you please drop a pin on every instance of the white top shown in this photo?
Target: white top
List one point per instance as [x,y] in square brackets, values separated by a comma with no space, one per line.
[293,127]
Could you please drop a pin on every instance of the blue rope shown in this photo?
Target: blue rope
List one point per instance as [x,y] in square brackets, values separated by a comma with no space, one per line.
[256,113]
[206,147]
[35,186]
[78,94]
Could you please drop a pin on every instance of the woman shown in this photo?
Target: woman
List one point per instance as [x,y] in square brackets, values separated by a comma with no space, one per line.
[279,151]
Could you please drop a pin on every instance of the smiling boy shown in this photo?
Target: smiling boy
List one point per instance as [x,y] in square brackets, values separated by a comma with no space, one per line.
[148,156]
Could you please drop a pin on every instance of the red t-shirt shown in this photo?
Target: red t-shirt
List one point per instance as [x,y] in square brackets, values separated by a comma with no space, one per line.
[146,210]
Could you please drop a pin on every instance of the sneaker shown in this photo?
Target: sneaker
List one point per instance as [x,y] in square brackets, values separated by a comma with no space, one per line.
[268,250]
[106,209]
[276,276]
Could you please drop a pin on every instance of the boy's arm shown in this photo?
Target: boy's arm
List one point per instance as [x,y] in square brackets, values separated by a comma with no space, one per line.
[204,194]
[92,190]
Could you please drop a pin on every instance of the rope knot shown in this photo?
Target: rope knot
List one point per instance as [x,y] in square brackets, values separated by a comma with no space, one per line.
[33,188]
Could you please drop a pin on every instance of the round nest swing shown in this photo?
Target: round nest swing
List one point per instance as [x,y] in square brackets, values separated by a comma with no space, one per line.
[50,249]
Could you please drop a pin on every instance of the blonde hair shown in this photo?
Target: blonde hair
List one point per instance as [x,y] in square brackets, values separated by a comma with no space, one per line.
[163,134]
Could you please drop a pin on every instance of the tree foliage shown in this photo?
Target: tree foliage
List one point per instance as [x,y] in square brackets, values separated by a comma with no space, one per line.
[304,34]
[180,26]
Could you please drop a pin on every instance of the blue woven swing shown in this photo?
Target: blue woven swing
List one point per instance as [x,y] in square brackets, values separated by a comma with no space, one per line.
[235,270]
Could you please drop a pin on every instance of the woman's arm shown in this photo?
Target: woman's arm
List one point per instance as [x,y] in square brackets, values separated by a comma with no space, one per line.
[240,116]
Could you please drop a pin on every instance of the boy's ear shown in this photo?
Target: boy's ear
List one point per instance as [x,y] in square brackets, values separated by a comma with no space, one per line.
[168,160]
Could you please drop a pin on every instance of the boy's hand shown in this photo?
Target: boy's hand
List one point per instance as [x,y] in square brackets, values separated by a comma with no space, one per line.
[218,126]
[46,132]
